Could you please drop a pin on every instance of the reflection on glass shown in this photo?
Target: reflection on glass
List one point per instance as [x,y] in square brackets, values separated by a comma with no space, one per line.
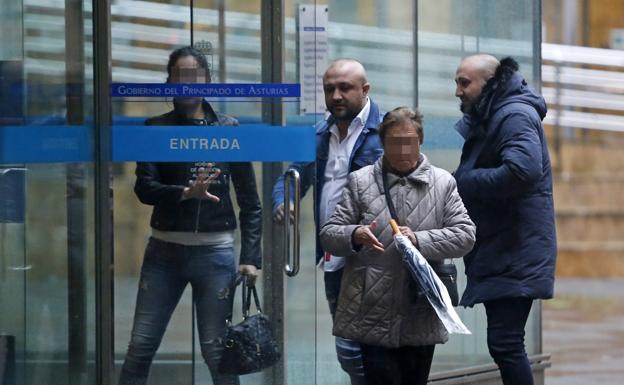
[46,213]
[192,234]
[144,34]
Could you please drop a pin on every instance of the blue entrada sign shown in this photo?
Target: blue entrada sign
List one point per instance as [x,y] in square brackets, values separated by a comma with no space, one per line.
[250,142]
[209,90]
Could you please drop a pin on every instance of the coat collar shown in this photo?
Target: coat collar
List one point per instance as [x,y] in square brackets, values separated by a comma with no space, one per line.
[211,115]
[422,174]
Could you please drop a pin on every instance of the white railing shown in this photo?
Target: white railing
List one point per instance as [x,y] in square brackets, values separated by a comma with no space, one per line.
[582,97]
[584,87]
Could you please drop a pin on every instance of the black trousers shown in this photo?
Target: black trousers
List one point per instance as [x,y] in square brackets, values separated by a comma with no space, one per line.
[506,320]
[407,365]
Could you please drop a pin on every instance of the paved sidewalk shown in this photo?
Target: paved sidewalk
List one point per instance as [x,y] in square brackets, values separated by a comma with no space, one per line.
[583,329]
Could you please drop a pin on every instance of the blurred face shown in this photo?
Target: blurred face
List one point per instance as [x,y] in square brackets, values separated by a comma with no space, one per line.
[345,92]
[187,70]
[402,147]
[469,84]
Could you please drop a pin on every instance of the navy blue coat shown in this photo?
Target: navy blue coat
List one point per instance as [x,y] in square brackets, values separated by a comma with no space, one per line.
[505,181]
[367,150]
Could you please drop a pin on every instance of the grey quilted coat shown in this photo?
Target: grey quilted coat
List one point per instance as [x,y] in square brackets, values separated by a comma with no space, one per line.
[379,303]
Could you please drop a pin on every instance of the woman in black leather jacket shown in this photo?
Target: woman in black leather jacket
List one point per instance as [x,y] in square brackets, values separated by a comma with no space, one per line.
[193,225]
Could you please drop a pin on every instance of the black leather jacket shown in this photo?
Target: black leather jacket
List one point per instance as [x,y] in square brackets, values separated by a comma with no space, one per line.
[161,185]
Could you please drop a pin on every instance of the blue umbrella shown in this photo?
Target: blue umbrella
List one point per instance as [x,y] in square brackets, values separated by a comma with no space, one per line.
[428,280]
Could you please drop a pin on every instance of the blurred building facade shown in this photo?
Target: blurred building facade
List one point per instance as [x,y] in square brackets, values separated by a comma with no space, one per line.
[583,84]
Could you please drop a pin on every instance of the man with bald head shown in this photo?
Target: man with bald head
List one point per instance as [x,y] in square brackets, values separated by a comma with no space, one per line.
[346,140]
[471,76]
[504,178]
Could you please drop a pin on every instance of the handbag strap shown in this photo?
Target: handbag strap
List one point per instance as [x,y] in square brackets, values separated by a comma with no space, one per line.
[248,292]
[384,178]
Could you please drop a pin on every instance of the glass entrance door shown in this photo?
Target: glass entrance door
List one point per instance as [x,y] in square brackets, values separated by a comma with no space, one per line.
[46,208]
[239,41]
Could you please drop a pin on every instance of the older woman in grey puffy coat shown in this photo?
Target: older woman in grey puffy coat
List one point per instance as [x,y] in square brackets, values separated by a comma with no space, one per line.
[380,305]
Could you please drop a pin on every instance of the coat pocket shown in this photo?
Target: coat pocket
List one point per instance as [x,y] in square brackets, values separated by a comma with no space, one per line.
[351,293]
[377,294]
[494,255]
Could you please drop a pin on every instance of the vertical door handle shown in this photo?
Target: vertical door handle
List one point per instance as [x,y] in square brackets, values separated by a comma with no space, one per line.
[291,175]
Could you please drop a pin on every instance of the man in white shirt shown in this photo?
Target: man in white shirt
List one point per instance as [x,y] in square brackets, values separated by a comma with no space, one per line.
[346,140]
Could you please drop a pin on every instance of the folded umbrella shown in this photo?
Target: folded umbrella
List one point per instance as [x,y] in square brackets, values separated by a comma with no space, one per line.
[428,280]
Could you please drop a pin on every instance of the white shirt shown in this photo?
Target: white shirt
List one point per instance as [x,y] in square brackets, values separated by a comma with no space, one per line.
[187,238]
[337,172]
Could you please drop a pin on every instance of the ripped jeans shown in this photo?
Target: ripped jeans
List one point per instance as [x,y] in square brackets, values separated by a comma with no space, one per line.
[348,351]
[167,269]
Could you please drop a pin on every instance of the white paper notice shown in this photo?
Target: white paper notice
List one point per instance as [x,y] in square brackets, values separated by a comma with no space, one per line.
[313,52]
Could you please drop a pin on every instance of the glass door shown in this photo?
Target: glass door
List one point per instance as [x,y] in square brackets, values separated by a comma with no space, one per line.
[253,124]
[46,206]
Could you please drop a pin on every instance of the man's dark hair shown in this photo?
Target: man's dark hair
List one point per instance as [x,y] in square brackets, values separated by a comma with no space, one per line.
[400,115]
[188,51]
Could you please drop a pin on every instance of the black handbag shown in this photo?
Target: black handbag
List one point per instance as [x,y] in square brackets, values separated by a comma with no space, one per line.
[249,346]
[447,272]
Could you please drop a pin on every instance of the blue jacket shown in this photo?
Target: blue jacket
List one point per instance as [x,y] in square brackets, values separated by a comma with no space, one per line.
[505,181]
[367,150]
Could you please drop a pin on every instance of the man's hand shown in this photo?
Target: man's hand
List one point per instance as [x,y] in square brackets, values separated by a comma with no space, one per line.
[250,272]
[198,188]
[409,234]
[363,236]
[278,214]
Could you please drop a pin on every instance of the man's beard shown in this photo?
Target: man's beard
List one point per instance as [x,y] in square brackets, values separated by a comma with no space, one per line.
[346,114]
[470,107]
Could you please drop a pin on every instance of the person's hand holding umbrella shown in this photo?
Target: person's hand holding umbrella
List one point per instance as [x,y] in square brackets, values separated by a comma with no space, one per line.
[423,274]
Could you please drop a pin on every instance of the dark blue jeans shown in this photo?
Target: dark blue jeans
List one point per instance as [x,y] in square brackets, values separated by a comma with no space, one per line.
[348,351]
[167,269]
[506,320]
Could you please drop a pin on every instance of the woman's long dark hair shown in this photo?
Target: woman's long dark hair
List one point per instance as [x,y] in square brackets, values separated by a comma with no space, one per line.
[188,51]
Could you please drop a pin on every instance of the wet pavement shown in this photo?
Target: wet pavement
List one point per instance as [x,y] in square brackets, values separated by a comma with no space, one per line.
[583,330]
